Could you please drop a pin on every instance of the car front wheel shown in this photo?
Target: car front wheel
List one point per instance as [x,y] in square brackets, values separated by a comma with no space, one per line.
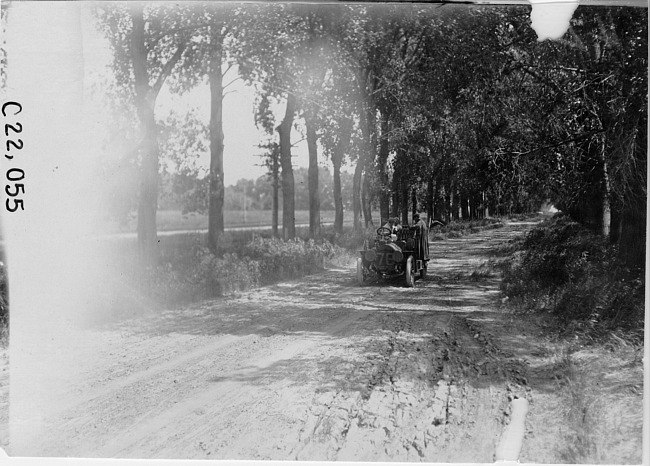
[410,272]
[361,276]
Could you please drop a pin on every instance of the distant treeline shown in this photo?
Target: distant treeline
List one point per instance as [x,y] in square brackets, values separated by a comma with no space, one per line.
[187,193]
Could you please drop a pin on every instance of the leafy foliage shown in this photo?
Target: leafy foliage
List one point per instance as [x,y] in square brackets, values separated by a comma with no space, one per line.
[565,269]
[189,271]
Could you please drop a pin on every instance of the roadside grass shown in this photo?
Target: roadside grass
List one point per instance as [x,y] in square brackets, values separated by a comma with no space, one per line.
[592,310]
[585,399]
[187,271]
[460,228]
[563,269]
[483,271]
[601,422]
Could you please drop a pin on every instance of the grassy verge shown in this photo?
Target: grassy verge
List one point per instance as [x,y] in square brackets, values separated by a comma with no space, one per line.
[460,228]
[188,272]
[562,269]
[582,314]
[587,403]
[603,424]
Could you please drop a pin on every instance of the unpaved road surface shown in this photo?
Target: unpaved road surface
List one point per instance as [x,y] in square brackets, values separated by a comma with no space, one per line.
[314,369]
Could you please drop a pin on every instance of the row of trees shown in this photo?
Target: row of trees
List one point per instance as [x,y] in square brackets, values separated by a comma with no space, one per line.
[453,110]
[187,192]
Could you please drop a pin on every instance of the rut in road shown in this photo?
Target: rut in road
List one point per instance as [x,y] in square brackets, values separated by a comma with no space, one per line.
[315,369]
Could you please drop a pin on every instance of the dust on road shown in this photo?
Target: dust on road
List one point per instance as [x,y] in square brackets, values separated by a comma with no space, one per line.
[314,369]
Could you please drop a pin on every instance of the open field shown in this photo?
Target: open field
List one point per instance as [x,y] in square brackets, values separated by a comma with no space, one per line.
[171,220]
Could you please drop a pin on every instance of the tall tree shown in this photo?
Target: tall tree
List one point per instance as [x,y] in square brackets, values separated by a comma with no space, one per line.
[267,50]
[148,44]
[211,31]
[282,53]
[217,35]
[288,197]
[336,143]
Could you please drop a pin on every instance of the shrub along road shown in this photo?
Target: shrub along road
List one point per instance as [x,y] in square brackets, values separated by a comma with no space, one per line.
[316,369]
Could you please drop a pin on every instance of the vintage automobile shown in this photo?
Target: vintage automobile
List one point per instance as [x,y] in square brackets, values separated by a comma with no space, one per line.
[404,253]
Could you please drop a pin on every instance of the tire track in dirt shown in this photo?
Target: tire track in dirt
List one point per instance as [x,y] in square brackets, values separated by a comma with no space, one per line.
[402,418]
[152,396]
[426,420]
[201,415]
[119,384]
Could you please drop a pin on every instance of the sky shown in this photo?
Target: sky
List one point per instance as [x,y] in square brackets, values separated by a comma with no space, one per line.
[241,137]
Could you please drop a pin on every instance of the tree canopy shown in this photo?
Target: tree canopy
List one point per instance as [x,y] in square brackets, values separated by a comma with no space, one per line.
[454,109]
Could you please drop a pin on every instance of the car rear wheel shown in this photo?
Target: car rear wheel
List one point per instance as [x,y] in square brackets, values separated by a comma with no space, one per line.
[361,276]
[410,272]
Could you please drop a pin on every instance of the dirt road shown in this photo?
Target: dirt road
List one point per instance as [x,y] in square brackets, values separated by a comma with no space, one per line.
[315,369]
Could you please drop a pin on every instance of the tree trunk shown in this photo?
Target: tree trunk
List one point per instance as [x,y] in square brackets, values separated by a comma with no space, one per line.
[404,201]
[464,212]
[382,160]
[395,207]
[366,201]
[145,100]
[436,202]
[345,133]
[275,173]
[356,193]
[414,202]
[338,197]
[447,205]
[368,130]
[312,175]
[430,193]
[605,192]
[288,198]
[453,199]
[366,158]
[216,194]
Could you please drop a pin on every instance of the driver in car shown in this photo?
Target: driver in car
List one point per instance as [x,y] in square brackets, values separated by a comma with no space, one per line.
[393,226]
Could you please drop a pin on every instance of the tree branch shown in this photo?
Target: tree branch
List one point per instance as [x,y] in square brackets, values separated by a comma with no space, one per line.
[167,69]
[229,92]
[172,31]
[238,78]
[561,143]
[223,75]
[526,69]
